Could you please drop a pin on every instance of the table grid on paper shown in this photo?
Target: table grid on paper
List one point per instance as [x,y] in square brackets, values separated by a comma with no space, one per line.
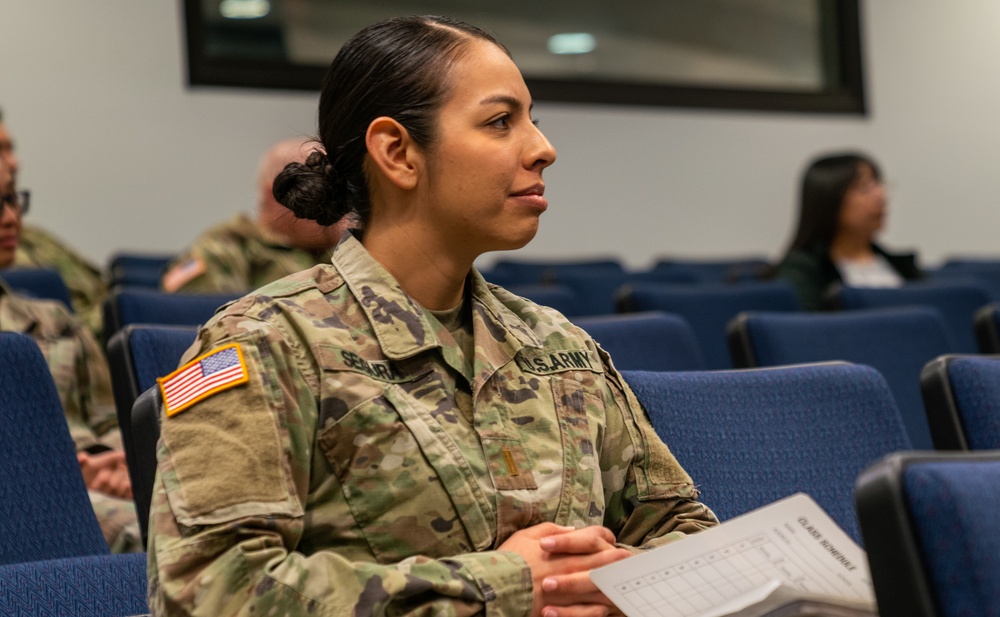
[690,588]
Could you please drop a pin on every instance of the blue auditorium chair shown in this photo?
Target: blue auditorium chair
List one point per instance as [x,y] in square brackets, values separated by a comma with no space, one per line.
[45,512]
[42,283]
[987,326]
[596,293]
[715,271]
[137,355]
[137,269]
[930,523]
[709,308]
[96,586]
[985,275]
[751,437]
[957,303]
[125,306]
[559,297]
[533,272]
[962,396]
[897,342]
[646,341]
[145,433]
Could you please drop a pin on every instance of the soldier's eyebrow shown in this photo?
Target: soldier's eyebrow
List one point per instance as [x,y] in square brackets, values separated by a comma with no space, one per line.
[502,99]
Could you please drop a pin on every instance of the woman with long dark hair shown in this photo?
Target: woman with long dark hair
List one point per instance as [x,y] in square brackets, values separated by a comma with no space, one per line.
[389,434]
[842,208]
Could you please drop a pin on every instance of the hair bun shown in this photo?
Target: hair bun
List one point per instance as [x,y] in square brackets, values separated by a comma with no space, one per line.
[311,190]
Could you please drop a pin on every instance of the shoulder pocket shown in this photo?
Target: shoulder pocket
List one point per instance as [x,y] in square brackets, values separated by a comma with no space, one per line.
[224,457]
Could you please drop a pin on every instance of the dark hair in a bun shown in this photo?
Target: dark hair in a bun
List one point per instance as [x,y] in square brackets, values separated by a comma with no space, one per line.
[396,68]
[311,190]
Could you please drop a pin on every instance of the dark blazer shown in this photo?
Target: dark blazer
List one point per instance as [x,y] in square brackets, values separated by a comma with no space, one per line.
[813,274]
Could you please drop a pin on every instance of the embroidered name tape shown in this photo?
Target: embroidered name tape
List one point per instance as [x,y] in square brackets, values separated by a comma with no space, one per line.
[202,377]
[549,362]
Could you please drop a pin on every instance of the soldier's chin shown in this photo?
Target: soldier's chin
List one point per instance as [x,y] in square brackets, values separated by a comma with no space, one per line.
[6,257]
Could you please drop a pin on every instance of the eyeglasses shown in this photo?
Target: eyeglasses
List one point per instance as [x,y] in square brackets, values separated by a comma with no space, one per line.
[20,201]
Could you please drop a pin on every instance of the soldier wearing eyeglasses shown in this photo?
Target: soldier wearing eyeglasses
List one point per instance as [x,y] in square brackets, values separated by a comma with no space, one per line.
[38,248]
[81,377]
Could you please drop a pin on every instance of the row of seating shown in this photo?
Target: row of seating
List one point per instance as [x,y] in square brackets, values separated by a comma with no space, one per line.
[773,432]
[898,343]
[707,307]
[53,558]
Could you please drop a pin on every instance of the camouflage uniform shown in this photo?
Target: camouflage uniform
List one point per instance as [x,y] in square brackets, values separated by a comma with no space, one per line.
[87,290]
[82,379]
[236,256]
[358,471]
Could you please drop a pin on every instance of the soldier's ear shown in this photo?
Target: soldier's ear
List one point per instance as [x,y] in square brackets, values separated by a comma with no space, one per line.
[393,152]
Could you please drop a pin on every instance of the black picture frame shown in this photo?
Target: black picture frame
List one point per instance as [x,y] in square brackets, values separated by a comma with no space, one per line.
[843,57]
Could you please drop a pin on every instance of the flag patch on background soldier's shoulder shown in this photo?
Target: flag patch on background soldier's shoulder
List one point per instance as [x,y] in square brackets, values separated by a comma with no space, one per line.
[179,275]
[202,377]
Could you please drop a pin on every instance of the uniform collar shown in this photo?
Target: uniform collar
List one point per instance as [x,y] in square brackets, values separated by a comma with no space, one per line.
[402,326]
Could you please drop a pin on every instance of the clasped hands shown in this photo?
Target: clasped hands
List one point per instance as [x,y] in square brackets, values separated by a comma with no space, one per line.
[106,472]
[560,559]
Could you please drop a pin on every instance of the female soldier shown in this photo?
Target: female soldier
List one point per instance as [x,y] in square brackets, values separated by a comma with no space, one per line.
[390,434]
[841,210]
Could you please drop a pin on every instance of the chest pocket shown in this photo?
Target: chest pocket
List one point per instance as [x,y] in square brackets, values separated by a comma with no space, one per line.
[403,473]
[576,382]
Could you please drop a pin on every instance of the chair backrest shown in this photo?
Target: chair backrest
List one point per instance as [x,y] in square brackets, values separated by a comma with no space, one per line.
[45,512]
[137,269]
[596,292]
[930,523]
[723,270]
[748,438]
[528,272]
[709,308]
[987,325]
[985,275]
[43,283]
[97,586]
[646,341]
[957,303]
[145,433]
[137,355]
[559,297]
[147,306]
[962,396]
[897,342]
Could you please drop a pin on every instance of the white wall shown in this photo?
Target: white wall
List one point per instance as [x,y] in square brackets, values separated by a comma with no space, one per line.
[120,154]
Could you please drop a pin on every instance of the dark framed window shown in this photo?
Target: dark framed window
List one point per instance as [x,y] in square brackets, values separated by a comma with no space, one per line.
[779,55]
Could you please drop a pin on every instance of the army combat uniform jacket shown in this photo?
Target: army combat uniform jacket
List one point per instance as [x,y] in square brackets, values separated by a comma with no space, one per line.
[87,290]
[235,257]
[336,470]
[76,362]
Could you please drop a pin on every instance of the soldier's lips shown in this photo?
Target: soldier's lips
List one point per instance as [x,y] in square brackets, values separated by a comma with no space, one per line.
[8,242]
[532,197]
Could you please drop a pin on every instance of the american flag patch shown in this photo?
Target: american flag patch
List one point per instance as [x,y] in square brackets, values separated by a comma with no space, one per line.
[202,377]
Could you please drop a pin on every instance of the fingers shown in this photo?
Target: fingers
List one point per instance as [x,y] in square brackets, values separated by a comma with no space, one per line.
[578,610]
[106,472]
[580,541]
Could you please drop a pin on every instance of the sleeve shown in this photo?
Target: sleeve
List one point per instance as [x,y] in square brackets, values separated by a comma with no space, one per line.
[235,499]
[98,401]
[804,275]
[81,376]
[650,499]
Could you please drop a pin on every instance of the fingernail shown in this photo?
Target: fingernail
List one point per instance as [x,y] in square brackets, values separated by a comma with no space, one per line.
[550,612]
[547,543]
[549,584]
